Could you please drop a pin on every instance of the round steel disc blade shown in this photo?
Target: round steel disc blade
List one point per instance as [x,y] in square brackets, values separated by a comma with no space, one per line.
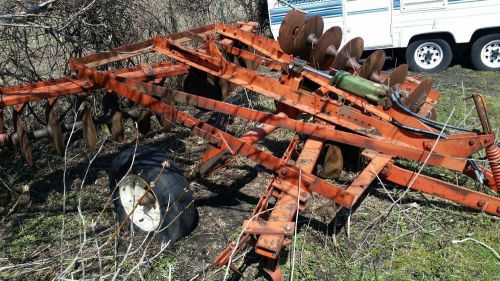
[379,57]
[353,49]
[117,128]
[419,94]
[331,39]
[319,25]
[55,132]
[23,140]
[88,128]
[289,27]
[334,162]
[398,75]
[311,29]
[373,64]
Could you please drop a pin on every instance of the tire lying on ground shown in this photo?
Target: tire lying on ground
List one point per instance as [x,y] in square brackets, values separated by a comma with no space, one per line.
[429,55]
[166,211]
[485,52]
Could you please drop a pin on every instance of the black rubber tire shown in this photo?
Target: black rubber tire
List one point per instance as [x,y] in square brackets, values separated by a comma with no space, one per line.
[447,55]
[171,189]
[475,52]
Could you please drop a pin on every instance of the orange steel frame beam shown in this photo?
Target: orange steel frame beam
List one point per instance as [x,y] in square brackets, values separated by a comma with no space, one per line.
[148,95]
[348,119]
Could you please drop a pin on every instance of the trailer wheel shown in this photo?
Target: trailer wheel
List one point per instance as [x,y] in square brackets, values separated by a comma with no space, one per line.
[429,55]
[485,53]
[167,210]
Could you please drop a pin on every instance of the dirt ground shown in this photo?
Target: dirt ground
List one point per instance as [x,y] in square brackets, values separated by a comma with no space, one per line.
[379,240]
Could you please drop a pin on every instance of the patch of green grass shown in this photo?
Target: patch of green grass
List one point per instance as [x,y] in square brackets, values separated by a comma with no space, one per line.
[408,254]
[164,264]
[462,84]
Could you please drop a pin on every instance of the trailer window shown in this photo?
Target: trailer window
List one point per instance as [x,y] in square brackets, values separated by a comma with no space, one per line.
[419,5]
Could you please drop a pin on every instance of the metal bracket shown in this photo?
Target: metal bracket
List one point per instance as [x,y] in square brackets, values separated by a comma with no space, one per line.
[297,65]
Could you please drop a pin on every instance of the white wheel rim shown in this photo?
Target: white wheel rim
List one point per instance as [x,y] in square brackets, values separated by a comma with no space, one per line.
[146,217]
[490,54]
[428,55]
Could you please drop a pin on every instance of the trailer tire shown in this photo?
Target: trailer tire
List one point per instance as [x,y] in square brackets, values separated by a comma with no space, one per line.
[429,55]
[172,214]
[485,52]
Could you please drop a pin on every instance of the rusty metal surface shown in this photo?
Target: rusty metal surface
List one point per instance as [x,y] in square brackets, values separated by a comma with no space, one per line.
[326,48]
[369,173]
[352,49]
[337,116]
[372,66]
[418,96]
[449,191]
[289,29]
[333,163]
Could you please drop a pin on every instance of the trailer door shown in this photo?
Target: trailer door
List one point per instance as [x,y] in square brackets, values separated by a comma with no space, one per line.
[369,19]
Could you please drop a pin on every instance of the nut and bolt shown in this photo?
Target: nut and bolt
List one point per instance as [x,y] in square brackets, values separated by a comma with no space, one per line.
[283,171]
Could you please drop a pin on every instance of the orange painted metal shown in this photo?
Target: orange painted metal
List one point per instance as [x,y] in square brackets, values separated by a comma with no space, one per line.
[455,193]
[250,137]
[67,86]
[325,132]
[286,206]
[213,135]
[269,227]
[346,118]
[284,210]
[370,172]
[313,104]
[259,210]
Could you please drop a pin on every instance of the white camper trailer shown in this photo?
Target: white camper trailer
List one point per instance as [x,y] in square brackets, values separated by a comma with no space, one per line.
[432,31]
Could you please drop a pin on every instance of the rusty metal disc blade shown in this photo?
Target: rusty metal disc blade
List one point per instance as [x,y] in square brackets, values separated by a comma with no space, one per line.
[117,127]
[310,30]
[333,163]
[323,52]
[318,23]
[288,29]
[373,64]
[23,140]
[55,132]
[353,49]
[226,88]
[398,75]
[417,97]
[88,129]
[165,123]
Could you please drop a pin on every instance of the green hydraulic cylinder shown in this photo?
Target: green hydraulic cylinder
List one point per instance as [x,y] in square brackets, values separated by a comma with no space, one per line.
[362,87]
